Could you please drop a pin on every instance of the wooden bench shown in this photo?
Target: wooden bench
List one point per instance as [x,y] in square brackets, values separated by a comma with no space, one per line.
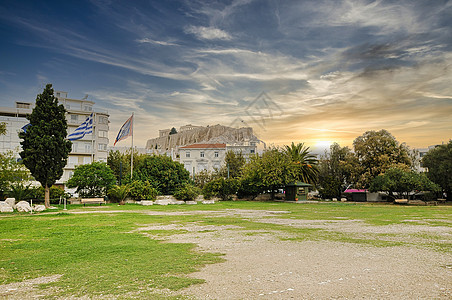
[99,201]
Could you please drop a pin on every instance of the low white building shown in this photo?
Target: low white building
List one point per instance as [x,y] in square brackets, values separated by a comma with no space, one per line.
[200,157]
[210,157]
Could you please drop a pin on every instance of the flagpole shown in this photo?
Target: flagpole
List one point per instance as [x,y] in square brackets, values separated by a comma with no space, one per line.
[131,153]
[92,137]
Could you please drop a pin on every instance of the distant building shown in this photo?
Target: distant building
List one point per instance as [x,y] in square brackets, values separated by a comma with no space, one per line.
[84,151]
[200,157]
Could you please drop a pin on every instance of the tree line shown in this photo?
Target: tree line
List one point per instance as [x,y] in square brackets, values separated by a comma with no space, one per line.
[377,162]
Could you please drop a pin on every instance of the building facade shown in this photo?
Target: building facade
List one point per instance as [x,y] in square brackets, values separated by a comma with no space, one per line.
[93,147]
[209,157]
[199,157]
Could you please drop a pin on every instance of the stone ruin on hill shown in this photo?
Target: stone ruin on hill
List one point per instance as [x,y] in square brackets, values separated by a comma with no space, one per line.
[189,134]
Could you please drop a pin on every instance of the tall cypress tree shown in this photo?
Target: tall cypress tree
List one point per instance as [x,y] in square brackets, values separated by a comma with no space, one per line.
[44,147]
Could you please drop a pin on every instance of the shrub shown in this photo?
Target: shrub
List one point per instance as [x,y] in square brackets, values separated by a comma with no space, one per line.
[222,188]
[142,190]
[187,192]
[119,192]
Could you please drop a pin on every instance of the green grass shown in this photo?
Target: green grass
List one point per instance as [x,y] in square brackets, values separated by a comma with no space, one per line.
[100,253]
[97,254]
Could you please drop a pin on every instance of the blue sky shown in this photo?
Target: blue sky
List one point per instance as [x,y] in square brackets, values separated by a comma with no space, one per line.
[302,71]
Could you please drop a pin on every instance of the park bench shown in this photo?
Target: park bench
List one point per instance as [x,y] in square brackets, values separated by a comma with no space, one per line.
[99,201]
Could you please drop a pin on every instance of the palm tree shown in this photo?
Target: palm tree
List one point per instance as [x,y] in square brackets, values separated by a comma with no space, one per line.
[120,192]
[305,162]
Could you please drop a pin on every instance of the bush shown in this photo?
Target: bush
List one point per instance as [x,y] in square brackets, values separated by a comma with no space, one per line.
[142,190]
[222,188]
[187,192]
[119,193]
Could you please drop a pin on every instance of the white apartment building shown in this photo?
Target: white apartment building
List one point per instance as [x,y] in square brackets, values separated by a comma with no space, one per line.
[93,147]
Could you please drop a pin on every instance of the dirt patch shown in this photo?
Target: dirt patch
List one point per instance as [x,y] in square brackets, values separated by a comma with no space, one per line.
[27,289]
[261,266]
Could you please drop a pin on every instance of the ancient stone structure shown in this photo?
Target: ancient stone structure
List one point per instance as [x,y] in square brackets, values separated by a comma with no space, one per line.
[190,134]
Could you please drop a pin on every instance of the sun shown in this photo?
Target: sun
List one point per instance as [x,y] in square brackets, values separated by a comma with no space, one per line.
[323,144]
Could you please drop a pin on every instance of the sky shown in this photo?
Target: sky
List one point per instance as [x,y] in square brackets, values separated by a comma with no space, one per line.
[296,71]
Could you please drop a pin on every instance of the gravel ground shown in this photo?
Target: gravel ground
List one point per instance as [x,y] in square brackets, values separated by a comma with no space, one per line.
[258,265]
[264,267]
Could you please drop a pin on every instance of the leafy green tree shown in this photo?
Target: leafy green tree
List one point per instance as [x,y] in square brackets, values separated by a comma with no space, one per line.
[142,190]
[269,171]
[338,169]
[439,163]
[233,164]
[204,177]
[222,188]
[119,163]
[377,151]
[92,180]
[305,162]
[44,147]
[399,181]
[173,131]
[162,172]
[187,192]
[11,171]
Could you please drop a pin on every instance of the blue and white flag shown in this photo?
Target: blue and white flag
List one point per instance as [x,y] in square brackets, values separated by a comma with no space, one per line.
[125,131]
[85,128]
[26,127]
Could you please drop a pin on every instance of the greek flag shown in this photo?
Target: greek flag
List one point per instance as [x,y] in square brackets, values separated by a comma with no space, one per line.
[125,131]
[85,128]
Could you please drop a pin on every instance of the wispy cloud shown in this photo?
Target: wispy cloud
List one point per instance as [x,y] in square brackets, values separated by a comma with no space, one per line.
[151,41]
[208,33]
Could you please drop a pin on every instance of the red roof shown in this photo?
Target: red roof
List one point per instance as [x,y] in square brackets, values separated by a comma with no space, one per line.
[204,146]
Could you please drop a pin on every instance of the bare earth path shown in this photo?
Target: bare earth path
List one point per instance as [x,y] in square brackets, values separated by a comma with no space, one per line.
[264,267]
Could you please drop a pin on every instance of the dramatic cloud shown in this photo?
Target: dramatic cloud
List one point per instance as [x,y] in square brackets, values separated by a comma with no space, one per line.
[330,69]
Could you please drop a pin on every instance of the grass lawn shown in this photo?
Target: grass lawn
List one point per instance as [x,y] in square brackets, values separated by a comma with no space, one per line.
[101,254]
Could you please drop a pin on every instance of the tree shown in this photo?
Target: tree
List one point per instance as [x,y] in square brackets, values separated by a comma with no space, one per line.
[11,172]
[338,169]
[92,180]
[377,151]
[162,172]
[233,164]
[439,163]
[142,190]
[44,147]
[222,188]
[119,163]
[399,182]
[305,162]
[173,131]
[270,171]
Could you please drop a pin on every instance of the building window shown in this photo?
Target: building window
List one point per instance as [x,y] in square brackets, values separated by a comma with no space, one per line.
[102,147]
[187,154]
[103,120]
[87,147]
[201,154]
[216,154]
[87,108]
[58,94]
[252,151]
[102,133]
[74,118]
[74,146]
